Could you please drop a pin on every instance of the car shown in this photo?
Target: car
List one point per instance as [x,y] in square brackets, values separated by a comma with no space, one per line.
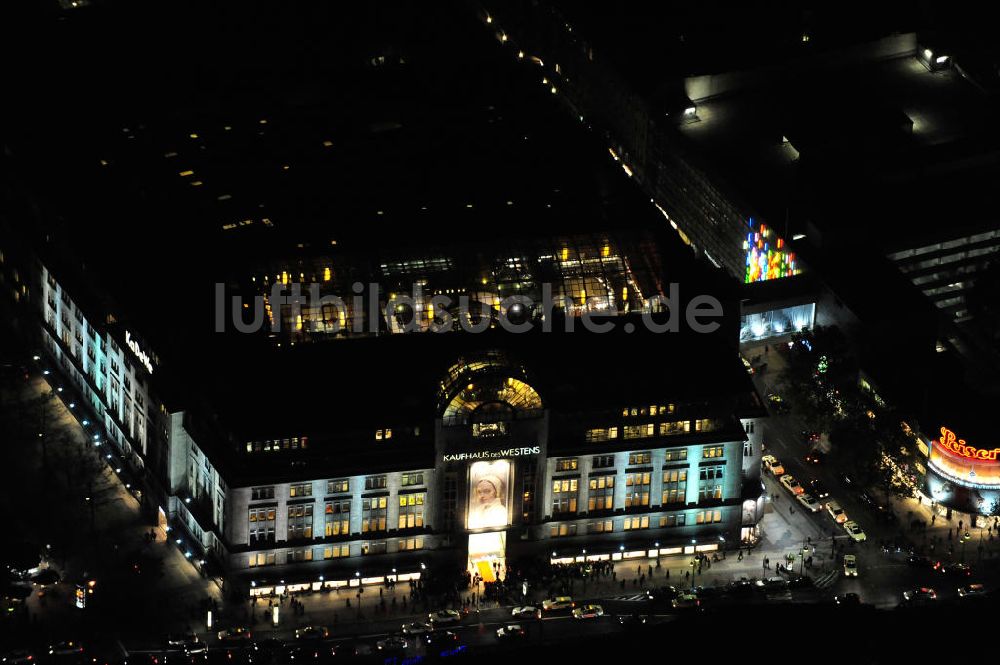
[772,464]
[800,582]
[181,639]
[558,603]
[955,569]
[922,594]
[818,490]
[740,586]
[588,612]
[440,639]
[416,628]
[193,649]
[391,643]
[444,617]
[511,631]
[634,621]
[686,601]
[235,634]
[65,648]
[836,512]
[312,633]
[850,565]
[525,612]
[971,590]
[918,561]
[815,457]
[17,657]
[848,599]
[853,530]
[809,502]
[791,484]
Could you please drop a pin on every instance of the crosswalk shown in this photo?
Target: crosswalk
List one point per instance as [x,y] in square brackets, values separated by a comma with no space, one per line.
[826,580]
[634,597]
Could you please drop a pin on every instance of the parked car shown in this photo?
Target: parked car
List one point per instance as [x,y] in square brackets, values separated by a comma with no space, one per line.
[237,634]
[791,484]
[809,502]
[853,530]
[836,512]
[771,463]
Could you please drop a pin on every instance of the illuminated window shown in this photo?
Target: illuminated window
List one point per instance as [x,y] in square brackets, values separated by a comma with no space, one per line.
[642,457]
[564,495]
[415,478]
[602,526]
[710,482]
[300,522]
[411,510]
[559,530]
[339,486]
[409,544]
[637,489]
[303,489]
[675,427]
[712,452]
[567,464]
[338,518]
[638,431]
[373,547]
[295,556]
[672,520]
[373,514]
[676,455]
[601,434]
[674,486]
[708,517]
[637,522]
[704,425]
[261,529]
[601,494]
[336,551]
[262,559]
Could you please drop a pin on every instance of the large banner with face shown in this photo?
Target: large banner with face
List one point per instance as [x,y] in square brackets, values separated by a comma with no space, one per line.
[489,484]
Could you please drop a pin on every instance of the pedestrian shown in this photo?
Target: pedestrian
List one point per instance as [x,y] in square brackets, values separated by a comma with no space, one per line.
[933,519]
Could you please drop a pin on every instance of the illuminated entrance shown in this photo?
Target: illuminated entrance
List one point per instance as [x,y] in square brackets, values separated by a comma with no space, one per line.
[486,554]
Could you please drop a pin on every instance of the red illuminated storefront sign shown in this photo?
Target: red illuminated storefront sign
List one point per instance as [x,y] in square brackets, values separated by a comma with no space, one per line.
[957,446]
